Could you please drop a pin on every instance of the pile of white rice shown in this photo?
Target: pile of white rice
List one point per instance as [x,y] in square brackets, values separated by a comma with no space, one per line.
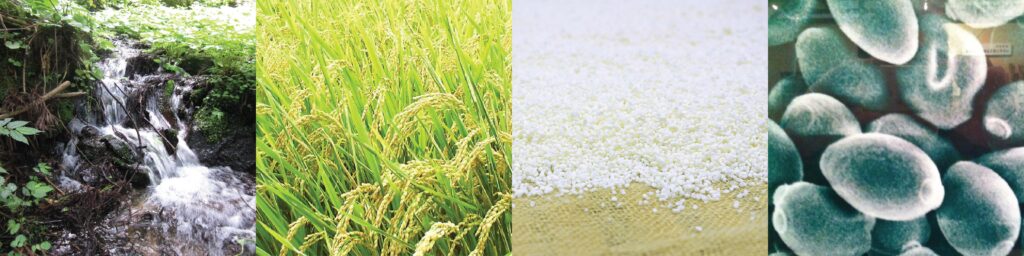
[665,93]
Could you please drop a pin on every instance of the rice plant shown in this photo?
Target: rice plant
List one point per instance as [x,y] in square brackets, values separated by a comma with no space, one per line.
[384,127]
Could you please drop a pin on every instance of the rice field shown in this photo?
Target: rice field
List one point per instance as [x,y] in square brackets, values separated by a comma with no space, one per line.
[384,127]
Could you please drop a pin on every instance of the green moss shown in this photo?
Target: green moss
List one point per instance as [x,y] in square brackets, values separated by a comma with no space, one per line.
[212,122]
[65,110]
[227,101]
[169,89]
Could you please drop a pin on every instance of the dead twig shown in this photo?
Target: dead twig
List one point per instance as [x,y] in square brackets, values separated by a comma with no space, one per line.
[55,93]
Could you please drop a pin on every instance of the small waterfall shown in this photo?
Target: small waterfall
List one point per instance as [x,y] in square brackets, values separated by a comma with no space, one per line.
[194,209]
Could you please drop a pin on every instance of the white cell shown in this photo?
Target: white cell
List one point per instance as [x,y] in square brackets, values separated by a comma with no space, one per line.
[980,215]
[885,29]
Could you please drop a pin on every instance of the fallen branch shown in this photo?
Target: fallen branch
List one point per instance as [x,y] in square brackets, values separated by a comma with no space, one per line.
[69,95]
[55,93]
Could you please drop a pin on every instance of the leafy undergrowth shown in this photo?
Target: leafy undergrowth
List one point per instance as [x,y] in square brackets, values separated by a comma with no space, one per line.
[43,44]
[208,38]
[17,197]
[384,127]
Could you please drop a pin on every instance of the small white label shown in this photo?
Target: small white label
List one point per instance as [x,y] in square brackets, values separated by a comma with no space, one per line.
[998,49]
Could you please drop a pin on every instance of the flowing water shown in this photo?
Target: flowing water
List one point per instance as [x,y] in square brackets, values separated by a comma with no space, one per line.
[187,208]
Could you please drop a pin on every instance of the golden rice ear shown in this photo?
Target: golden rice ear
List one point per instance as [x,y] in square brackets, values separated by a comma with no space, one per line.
[438,230]
[407,119]
[292,231]
[493,214]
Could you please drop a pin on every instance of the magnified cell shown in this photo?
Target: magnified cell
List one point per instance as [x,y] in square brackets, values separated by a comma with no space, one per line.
[816,114]
[784,165]
[918,251]
[783,93]
[813,121]
[893,237]
[829,65]
[984,14]
[939,84]
[885,29]
[980,215]
[938,148]
[1009,164]
[787,18]
[813,220]
[1004,115]
[883,176]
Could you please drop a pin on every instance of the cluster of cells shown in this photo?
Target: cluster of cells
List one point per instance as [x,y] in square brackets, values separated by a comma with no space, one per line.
[895,136]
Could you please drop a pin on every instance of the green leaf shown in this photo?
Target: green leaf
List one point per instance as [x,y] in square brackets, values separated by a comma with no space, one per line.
[28,130]
[7,191]
[37,189]
[43,168]
[3,171]
[13,227]
[16,124]
[13,45]
[18,137]
[44,246]
[19,241]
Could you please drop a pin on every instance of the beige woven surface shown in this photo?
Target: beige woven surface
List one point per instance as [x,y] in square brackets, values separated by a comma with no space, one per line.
[559,225]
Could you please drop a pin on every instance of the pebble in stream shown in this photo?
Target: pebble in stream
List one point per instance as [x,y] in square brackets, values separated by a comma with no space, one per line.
[938,148]
[984,14]
[939,84]
[892,237]
[813,220]
[785,166]
[814,121]
[883,176]
[1009,164]
[885,29]
[830,65]
[980,215]
[1003,119]
[787,19]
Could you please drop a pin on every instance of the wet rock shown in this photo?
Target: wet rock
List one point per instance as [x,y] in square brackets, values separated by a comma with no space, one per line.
[89,131]
[830,65]
[195,66]
[170,137]
[883,176]
[237,150]
[885,29]
[813,220]
[141,177]
[108,146]
[787,19]
[784,165]
[1003,118]
[938,148]
[891,237]
[940,83]
[980,215]
[1009,164]
[783,93]
[984,14]
[143,64]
